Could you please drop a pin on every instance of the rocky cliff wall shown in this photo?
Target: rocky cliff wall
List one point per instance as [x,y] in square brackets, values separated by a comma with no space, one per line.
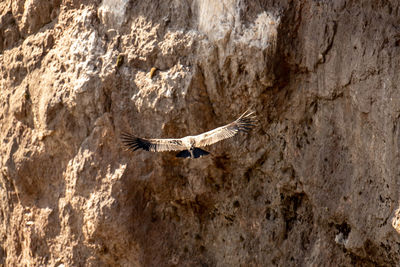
[316,183]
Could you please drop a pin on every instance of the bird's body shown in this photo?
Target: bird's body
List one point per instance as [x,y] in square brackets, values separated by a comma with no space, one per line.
[189,145]
[188,141]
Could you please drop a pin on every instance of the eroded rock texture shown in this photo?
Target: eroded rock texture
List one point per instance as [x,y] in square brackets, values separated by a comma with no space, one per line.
[316,183]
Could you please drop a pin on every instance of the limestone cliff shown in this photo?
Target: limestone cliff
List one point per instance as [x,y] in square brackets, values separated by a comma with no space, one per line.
[315,184]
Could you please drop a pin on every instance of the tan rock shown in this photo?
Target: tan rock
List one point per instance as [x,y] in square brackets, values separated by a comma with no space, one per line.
[315,184]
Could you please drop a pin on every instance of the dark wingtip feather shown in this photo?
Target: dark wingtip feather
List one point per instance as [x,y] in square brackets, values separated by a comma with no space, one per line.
[134,143]
[246,121]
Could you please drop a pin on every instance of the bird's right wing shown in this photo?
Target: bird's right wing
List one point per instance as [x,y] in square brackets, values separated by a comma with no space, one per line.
[243,124]
[134,143]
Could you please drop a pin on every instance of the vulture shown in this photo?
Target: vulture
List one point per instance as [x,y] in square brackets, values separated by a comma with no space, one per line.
[189,145]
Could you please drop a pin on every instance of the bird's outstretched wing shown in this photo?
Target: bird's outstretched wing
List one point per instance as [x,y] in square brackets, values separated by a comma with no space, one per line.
[134,143]
[243,124]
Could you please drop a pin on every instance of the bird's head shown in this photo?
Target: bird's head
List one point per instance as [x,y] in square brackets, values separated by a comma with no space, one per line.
[192,140]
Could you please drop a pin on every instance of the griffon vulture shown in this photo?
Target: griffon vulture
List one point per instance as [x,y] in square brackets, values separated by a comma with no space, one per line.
[189,145]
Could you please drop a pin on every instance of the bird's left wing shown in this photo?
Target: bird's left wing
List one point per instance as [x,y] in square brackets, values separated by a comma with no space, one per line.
[243,124]
[134,143]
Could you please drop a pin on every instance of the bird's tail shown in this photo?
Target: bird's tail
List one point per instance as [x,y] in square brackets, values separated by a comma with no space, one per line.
[197,153]
[183,154]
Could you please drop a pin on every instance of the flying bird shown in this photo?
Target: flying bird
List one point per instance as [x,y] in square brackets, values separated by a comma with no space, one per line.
[189,145]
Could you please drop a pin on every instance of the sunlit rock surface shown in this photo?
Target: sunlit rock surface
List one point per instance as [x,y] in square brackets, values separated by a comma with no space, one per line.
[315,184]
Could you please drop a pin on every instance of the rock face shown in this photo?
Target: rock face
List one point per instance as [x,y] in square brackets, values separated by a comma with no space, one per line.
[316,183]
